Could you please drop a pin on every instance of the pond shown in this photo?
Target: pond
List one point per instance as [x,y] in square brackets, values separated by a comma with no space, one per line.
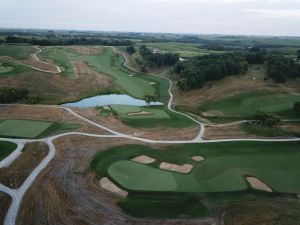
[113,99]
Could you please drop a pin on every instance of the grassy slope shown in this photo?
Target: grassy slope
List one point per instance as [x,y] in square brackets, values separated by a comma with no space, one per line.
[248,103]
[6,148]
[16,51]
[14,69]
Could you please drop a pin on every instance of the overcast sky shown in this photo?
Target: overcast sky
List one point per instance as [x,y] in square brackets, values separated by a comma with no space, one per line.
[250,17]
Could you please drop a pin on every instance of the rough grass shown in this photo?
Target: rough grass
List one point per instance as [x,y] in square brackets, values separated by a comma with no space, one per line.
[6,148]
[259,130]
[11,69]
[16,51]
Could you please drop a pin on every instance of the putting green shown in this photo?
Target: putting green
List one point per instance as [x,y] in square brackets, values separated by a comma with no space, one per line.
[23,128]
[224,169]
[124,112]
[6,148]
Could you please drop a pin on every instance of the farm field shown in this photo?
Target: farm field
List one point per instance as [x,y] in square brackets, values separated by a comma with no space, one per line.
[31,128]
[248,103]
[6,148]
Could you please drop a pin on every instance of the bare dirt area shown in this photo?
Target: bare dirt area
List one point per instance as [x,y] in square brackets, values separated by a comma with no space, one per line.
[83,50]
[231,86]
[225,132]
[153,133]
[54,88]
[53,114]
[5,201]
[32,154]
[67,192]
[291,127]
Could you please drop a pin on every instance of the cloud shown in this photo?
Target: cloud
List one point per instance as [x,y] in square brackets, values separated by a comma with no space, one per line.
[274,13]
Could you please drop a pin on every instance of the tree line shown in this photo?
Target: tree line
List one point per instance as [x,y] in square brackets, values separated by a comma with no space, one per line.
[67,41]
[12,95]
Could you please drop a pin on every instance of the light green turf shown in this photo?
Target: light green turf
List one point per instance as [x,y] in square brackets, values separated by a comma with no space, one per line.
[16,51]
[249,103]
[4,69]
[23,128]
[224,169]
[123,110]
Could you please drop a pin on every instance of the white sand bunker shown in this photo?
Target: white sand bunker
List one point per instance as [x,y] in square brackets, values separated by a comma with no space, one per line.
[198,158]
[111,187]
[152,83]
[131,75]
[186,168]
[258,184]
[141,113]
[143,159]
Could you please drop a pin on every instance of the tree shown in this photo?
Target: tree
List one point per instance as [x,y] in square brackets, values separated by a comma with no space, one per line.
[298,55]
[149,99]
[297,108]
[130,49]
[266,120]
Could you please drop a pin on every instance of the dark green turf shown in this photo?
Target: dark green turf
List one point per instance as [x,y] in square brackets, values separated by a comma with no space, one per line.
[6,148]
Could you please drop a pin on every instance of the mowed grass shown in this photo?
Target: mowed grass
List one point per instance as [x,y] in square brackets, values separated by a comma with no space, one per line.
[23,128]
[109,63]
[248,103]
[6,148]
[14,128]
[124,112]
[16,51]
[224,169]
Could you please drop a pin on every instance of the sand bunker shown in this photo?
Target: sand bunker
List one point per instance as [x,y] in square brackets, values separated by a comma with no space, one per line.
[111,187]
[142,113]
[152,83]
[143,159]
[258,184]
[198,158]
[186,168]
[131,75]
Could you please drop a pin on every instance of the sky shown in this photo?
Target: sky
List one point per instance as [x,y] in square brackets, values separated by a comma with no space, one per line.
[245,17]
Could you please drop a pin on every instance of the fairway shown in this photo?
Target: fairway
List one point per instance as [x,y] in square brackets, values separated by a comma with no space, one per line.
[23,128]
[6,148]
[249,103]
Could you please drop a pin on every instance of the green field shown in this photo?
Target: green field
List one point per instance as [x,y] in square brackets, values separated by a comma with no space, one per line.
[32,128]
[224,169]
[6,148]
[248,103]
[16,51]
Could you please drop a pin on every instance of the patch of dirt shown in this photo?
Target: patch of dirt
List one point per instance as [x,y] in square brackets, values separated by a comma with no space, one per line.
[158,133]
[212,113]
[67,192]
[53,114]
[186,168]
[106,184]
[5,201]
[32,154]
[291,127]
[83,50]
[53,88]
[143,159]
[225,132]
[258,184]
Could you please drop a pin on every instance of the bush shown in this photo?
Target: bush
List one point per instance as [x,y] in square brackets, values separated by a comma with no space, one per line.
[297,108]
